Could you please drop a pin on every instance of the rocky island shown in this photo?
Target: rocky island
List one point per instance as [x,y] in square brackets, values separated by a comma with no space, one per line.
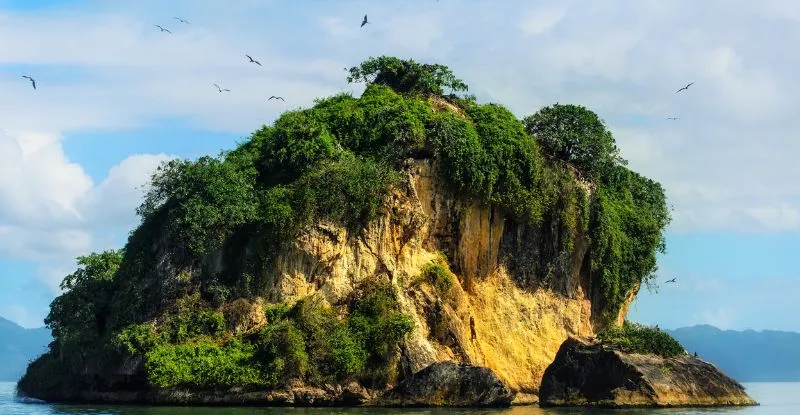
[409,247]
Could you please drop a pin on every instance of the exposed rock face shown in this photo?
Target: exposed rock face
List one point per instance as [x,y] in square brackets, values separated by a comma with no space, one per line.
[450,384]
[591,374]
[518,295]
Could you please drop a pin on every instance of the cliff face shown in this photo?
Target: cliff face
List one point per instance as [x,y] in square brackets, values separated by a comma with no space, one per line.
[516,298]
[588,374]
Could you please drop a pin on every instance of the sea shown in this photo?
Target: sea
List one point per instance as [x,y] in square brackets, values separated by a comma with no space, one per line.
[775,399]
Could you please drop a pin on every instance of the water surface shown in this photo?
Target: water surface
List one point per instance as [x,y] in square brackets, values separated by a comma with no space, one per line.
[775,399]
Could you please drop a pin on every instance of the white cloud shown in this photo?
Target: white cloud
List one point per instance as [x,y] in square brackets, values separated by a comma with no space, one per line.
[51,211]
[727,163]
[539,21]
[114,200]
[39,185]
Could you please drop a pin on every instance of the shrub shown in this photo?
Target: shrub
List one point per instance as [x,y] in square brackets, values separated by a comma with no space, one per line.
[513,170]
[439,276]
[204,365]
[138,339]
[297,142]
[377,323]
[281,348]
[190,323]
[349,191]
[637,338]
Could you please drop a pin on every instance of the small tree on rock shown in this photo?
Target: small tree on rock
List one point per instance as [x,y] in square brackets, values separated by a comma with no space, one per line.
[406,76]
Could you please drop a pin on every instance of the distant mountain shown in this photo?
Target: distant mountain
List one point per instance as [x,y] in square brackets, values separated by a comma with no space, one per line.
[18,346]
[747,356]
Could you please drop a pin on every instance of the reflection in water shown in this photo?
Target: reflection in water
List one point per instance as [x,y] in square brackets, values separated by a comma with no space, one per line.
[775,398]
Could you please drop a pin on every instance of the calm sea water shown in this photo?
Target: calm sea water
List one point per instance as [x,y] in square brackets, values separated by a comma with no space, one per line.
[775,399]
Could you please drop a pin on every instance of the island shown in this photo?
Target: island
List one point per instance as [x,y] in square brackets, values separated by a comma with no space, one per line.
[407,247]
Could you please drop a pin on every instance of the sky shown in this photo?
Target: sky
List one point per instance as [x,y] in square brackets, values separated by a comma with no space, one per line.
[116,96]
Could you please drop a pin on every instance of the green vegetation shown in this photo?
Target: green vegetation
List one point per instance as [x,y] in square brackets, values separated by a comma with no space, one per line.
[337,162]
[637,338]
[406,75]
[574,134]
[307,341]
[438,274]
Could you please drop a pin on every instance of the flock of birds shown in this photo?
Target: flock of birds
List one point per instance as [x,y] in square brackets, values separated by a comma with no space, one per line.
[220,89]
[364,22]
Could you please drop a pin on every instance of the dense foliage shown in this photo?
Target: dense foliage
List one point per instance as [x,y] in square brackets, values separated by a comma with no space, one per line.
[337,161]
[637,338]
[79,317]
[307,341]
[628,217]
[575,135]
[406,75]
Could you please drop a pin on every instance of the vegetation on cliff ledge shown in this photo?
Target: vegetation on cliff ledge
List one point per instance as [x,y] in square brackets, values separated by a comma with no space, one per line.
[338,162]
[637,338]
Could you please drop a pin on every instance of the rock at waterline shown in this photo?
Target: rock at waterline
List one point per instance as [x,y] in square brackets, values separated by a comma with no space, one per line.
[450,384]
[587,373]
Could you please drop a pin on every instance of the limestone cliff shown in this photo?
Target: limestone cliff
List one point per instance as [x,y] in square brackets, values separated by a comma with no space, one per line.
[516,298]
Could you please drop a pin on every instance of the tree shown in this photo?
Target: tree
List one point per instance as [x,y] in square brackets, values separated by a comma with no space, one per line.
[406,76]
[576,135]
[78,317]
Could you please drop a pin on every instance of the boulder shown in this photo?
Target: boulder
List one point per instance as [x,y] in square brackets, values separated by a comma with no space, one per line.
[589,373]
[452,384]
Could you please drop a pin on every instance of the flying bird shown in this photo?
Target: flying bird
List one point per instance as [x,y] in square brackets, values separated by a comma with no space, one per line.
[684,88]
[221,89]
[162,29]
[33,81]
[672,118]
[668,281]
[363,22]
[253,60]
[276,97]
[181,20]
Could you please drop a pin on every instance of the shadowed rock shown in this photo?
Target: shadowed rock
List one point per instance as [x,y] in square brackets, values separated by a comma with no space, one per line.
[450,384]
[587,373]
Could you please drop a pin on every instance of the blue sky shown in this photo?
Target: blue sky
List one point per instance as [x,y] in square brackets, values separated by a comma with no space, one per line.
[116,97]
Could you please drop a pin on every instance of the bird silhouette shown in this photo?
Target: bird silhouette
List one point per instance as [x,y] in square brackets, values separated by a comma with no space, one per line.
[668,281]
[672,118]
[221,89]
[363,22]
[33,81]
[276,97]
[685,88]
[253,60]
[162,29]
[181,20]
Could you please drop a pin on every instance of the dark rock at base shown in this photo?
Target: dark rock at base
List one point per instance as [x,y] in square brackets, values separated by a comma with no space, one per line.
[587,373]
[352,394]
[449,384]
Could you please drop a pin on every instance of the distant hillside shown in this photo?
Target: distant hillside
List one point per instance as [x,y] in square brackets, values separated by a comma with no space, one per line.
[747,356]
[18,346]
